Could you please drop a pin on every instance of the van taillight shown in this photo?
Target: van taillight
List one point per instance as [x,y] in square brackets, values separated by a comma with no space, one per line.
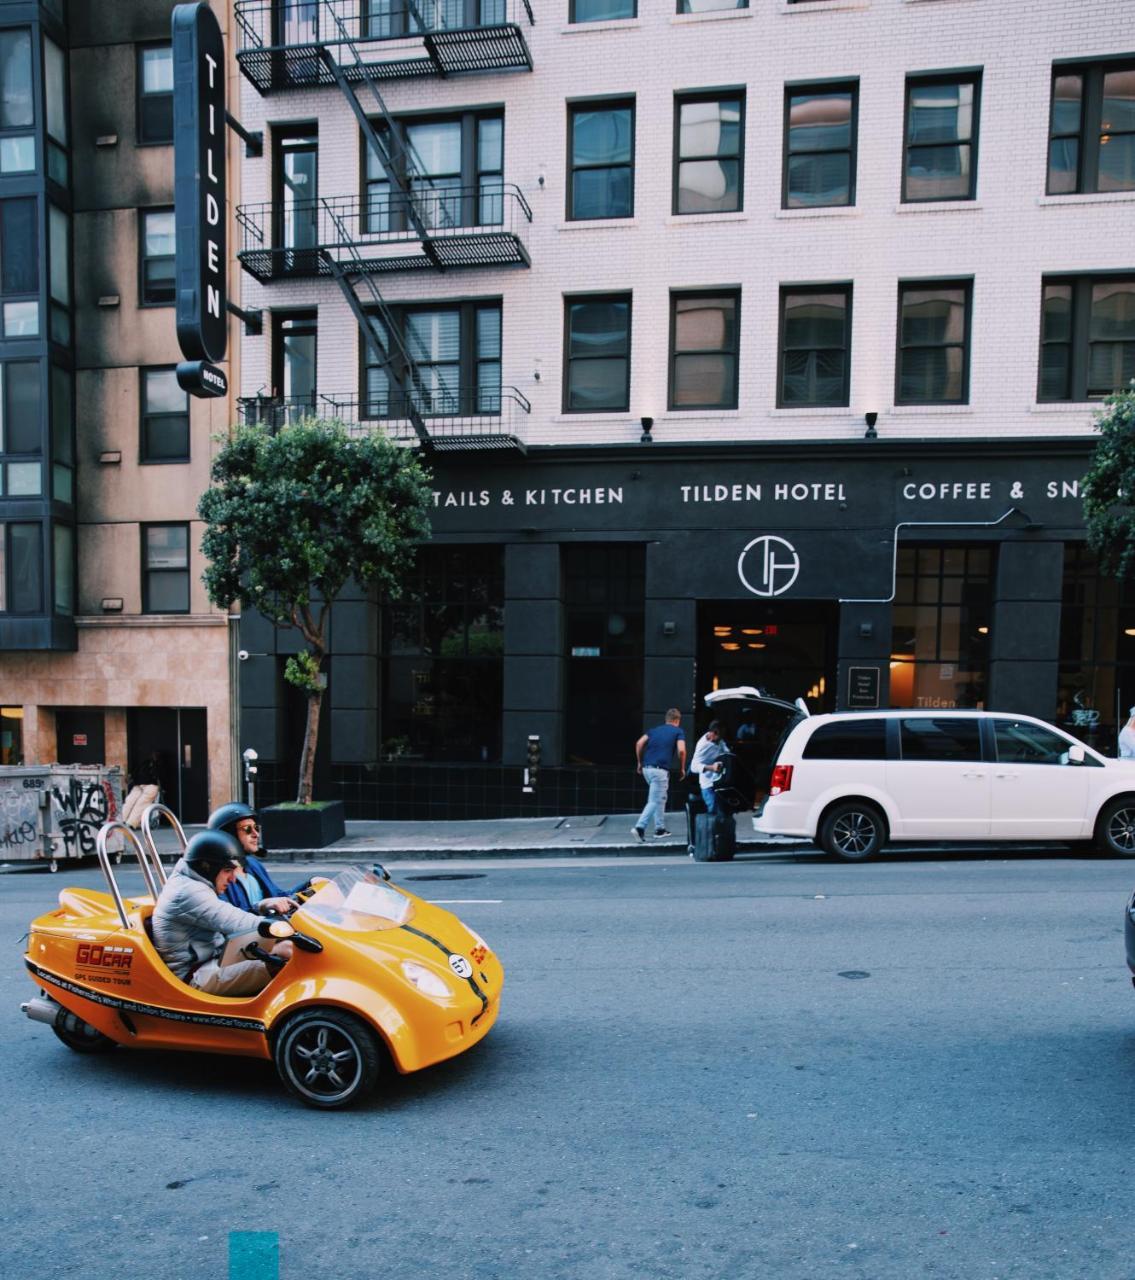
[781,779]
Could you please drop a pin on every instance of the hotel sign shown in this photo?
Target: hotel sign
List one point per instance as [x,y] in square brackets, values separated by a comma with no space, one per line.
[201,262]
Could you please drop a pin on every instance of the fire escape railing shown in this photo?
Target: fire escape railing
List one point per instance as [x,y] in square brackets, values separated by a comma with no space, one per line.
[279,39]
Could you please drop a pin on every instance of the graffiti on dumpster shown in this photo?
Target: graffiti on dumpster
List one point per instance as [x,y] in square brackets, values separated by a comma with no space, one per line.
[79,810]
[18,813]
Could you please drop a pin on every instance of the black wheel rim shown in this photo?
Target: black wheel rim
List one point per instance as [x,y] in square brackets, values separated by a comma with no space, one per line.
[76,1030]
[323,1061]
[1121,830]
[853,834]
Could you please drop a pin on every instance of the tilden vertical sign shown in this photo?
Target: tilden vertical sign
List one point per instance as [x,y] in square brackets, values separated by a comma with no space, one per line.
[199,196]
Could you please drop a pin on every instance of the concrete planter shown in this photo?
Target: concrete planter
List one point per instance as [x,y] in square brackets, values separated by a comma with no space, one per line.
[303,826]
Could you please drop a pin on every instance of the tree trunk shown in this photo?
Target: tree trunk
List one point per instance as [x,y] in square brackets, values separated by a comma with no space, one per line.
[310,741]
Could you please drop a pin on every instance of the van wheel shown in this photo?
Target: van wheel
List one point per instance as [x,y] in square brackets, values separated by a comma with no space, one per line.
[853,831]
[328,1058]
[79,1035]
[1115,831]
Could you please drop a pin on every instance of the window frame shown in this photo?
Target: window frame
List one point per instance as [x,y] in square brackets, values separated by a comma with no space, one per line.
[847,288]
[1079,343]
[1093,71]
[144,257]
[582,22]
[611,103]
[965,283]
[6,575]
[731,292]
[307,320]
[959,75]
[839,85]
[144,417]
[140,95]
[143,529]
[571,300]
[690,98]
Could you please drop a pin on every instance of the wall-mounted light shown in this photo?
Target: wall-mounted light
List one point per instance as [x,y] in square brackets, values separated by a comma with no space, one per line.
[870,418]
[647,425]
[669,628]
[112,604]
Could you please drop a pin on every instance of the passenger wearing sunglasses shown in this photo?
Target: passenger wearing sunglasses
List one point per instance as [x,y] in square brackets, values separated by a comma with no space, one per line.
[253,889]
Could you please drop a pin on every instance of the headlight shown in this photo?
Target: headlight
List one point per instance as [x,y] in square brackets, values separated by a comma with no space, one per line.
[426,981]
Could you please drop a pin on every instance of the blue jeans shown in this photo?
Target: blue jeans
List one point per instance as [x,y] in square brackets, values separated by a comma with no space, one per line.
[709,799]
[658,780]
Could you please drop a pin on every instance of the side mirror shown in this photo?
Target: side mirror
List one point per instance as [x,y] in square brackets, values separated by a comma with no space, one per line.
[1076,754]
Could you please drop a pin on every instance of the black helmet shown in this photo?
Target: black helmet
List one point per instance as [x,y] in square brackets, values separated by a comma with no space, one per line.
[211,852]
[228,815]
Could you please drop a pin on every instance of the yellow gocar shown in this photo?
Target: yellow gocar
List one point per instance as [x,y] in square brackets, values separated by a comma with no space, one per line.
[378,979]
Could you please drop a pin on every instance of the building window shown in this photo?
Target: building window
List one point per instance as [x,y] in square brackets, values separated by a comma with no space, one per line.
[59,273]
[602,10]
[604,611]
[1087,338]
[710,6]
[940,158]
[1091,144]
[820,133]
[443,658]
[457,179]
[708,153]
[17,103]
[601,150]
[815,346]
[597,354]
[295,347]
[21,430]
[296,196]
[940,626]
[451,364]
[933,342]
[56,115]
[63,556]
[155,94]
[62,436]
[704,332]
[19,268]
[11,718]
[21,568]
[158,241]
[165,568]
[165,417]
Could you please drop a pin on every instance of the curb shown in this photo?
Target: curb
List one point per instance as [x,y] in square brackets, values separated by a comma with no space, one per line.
[385,853]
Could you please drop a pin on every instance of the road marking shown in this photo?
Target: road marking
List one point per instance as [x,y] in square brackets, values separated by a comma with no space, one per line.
[254,1255]
[465,902]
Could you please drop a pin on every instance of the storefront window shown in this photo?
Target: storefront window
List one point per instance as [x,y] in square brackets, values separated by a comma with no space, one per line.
[443,659]
[11,735]
[940,627]
[1096,685]
[604,589]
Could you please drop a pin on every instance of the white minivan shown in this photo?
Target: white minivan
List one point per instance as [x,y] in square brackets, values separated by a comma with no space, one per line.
[852,781]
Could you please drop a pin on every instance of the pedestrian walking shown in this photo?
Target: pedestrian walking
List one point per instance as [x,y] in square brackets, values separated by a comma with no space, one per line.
[1127,737]
[707,765]
[655,752]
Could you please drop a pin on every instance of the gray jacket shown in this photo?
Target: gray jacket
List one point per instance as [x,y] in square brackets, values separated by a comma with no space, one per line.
[191,922]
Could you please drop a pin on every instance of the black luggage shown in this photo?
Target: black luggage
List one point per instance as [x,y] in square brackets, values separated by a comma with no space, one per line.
[715,837]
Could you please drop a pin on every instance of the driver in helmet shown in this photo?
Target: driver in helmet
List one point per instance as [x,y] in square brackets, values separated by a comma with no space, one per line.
[253,884]
[205,940]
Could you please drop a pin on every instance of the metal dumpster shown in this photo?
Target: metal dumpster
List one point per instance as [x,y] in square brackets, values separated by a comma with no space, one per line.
[51,813]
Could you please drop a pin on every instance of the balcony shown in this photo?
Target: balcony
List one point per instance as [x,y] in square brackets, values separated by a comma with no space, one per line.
[496,420]
[280,40]
[464,227]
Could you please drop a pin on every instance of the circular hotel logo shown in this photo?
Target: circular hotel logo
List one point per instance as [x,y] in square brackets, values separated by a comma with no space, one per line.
[768,566]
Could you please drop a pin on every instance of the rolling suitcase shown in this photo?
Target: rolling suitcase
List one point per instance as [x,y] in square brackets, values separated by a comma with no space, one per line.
[715,837]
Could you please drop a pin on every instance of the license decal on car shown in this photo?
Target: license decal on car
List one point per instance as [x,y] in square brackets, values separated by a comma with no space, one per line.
[461,966]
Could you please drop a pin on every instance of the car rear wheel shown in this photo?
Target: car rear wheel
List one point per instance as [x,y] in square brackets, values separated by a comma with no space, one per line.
[79,1035]
[1115,831]
[328,1058]
[853,831]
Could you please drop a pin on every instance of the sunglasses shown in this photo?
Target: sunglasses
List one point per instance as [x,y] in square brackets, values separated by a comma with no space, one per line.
[248,828]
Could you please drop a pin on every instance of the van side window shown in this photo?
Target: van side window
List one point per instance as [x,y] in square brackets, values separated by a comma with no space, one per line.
[1019,742]
[940,738]
[848,740]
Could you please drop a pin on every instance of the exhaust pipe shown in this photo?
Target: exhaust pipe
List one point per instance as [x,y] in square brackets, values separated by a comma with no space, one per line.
[41,1009]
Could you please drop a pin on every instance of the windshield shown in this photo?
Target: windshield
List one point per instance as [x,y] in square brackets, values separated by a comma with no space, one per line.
[359,901]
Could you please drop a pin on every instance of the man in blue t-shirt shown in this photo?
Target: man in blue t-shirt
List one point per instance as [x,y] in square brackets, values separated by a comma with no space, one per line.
[655,753]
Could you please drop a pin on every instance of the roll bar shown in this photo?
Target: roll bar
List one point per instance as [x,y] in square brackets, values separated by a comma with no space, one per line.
[148,834]
[144,859]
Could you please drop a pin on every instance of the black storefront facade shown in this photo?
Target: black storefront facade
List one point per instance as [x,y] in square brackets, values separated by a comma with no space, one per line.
[571,596]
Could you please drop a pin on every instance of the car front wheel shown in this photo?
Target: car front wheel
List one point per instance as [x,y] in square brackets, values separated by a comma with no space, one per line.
[1115,831]
[328,1058]
[853,831]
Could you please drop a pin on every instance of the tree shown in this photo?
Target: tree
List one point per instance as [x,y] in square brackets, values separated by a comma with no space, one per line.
[291,516]
[1109,484]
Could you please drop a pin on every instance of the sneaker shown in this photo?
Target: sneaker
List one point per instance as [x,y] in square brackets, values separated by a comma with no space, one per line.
[660,832]
[640,834]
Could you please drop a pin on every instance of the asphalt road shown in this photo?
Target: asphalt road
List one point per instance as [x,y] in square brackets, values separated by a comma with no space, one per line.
[785,1069]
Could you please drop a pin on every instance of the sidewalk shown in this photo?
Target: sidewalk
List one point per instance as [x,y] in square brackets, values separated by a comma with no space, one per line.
[608,835]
